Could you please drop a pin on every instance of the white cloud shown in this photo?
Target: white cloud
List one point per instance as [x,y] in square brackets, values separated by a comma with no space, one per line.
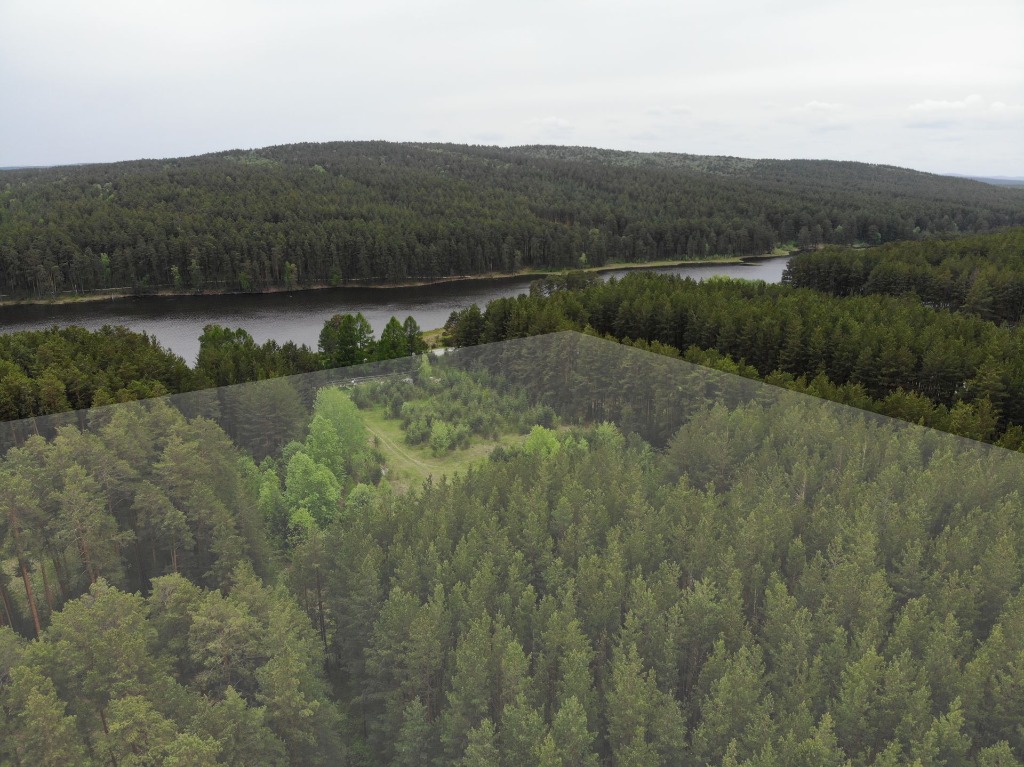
[820,107]
[668,111]
[973,102]
[820,116]
[552,128]
[971,111]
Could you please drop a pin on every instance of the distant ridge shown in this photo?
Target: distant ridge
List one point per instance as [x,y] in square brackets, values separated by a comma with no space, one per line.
[994,180]
[330,213]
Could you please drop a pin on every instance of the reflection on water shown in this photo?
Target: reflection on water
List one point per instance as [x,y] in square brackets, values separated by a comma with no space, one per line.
[177,322]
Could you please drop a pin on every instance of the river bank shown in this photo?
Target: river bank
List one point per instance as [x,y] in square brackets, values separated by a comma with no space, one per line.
[116,294]
[177,322]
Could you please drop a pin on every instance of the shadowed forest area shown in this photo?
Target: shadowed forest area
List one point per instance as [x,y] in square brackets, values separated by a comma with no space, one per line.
[696,568]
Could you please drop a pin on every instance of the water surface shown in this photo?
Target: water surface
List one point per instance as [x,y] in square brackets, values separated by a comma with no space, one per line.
[178,321]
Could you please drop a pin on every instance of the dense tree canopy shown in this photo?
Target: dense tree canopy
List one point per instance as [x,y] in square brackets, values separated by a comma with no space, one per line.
[64,369]
[51,371]
[303,214]
[783,582]
[983,274]
[896,355]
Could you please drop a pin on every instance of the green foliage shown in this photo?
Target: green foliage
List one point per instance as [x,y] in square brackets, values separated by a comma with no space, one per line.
[982,274]
[378,211]
[232,356]
[346,340]
[542,442]
[127,502]
[311,486]
[246,686]
[785,582]
[896,356]
[444,407]
[593,614]
[50,371]
[393,341]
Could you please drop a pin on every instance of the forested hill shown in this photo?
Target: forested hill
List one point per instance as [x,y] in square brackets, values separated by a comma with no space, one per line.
[306,214]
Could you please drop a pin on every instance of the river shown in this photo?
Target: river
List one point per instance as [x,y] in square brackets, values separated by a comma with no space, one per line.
[178,321]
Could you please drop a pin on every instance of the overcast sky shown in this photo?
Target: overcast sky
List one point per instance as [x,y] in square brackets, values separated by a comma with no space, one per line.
[936,85]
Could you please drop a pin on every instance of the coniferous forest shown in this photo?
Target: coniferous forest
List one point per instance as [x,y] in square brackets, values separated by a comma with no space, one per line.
[638,543]
[323,214]
[668,565]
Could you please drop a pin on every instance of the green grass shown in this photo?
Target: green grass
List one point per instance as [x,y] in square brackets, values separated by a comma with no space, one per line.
[432,338]
[409,466]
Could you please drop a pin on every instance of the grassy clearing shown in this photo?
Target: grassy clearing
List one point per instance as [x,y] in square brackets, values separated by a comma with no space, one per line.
[409,466]
[432,338]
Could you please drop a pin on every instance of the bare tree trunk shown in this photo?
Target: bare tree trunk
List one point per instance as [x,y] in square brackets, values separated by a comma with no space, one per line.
[62,576]
[320,611]
[106,731]
[31,597]
[46,587]
[143,576]
[5,599]
[84,548]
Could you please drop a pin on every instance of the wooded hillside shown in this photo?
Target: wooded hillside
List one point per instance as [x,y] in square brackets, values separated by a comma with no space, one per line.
[303,214]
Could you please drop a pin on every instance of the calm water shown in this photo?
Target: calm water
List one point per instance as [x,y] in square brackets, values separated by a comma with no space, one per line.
[178,322]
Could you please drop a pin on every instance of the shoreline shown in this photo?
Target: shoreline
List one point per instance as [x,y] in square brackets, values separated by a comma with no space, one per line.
[366,284]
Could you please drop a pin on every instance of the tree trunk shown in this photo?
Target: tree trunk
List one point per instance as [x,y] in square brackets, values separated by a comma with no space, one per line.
[30,596]
[84,549]
[5,599]
[106,731]
[46,587]
[320,611]
[143,577]
[62,576]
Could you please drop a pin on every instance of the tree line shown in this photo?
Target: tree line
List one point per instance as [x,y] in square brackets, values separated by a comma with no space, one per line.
[953,371]
[317,214]
[64,369]
[982,274]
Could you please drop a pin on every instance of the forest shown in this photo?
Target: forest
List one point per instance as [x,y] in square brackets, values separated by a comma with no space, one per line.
[299,215]
[65,369]
[676,566]
[906,356]
[542,548]
[983,275]
[895,355]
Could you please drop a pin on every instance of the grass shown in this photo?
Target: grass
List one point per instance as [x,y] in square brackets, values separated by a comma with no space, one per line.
[432,338]
[409,466]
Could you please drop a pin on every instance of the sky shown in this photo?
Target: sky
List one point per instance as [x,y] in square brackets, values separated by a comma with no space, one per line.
[935,85]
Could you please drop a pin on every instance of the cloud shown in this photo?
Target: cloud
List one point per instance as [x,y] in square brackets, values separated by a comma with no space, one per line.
[489,137]
[555,128]
[930,106]
[820,116]
[673,110]
[973,110]
[820,108]
[647,136]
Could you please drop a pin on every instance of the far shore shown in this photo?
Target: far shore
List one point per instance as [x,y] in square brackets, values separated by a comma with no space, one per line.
[114,294]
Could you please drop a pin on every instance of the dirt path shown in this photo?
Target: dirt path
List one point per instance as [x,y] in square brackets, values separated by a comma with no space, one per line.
[396,449]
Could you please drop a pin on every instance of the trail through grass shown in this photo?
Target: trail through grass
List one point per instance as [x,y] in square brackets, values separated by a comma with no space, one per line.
[409,465]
